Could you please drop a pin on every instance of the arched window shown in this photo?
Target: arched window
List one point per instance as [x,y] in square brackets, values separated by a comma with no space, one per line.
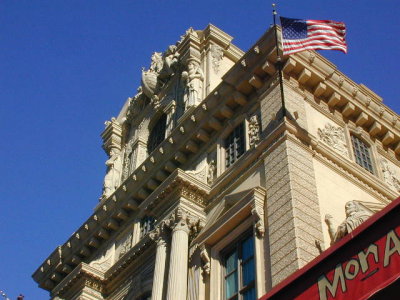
[157,134]
[362,153]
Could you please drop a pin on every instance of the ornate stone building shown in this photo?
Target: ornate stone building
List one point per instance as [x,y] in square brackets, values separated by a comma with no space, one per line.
[211,193]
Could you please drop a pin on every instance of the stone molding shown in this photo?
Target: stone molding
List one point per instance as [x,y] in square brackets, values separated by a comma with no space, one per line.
[242,209]
[112,136]
[181,185]
[235,88]
[91,278]
[345,96]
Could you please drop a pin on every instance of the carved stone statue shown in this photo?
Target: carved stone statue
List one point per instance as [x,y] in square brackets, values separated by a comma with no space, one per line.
[254,131]
[162,67]
[171,58]
[111,179]
[194,84]
[355,215]
[389,176]
[212,169]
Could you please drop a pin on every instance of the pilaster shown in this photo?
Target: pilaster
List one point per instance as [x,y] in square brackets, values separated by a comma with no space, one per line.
[292,208]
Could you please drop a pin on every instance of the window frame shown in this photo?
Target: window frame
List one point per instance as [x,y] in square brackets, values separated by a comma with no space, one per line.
[154,139]
[234,142]
[361,141]
[236,246]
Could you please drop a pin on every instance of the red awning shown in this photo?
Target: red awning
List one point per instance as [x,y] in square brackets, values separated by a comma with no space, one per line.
[360,265]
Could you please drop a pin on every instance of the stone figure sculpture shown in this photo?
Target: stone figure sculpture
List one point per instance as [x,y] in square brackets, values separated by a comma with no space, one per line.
[194,84]
[171,58]
[389,176]
[113,172]
[162,67]
[356,214]
[212,170]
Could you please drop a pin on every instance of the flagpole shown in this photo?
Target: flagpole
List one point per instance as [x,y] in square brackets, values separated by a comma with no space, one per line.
[279,60]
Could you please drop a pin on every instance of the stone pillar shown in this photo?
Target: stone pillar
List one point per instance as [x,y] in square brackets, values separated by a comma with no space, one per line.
[159,236]
[178,266]
[292,207]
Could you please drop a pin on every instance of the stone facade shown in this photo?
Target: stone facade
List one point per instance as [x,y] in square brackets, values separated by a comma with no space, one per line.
[212,190]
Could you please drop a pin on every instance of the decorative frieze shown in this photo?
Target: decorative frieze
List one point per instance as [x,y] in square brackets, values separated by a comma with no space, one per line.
[334,137]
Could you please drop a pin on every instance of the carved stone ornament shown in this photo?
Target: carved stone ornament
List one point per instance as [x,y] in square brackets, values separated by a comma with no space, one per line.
[159,234]
[389,176]
[334,137]
[217,53]
[180,219]
[201,171]
[126,245]
[212,172]
[188,32]
[111,180]
[104,261]
[194,83]
[356,214]
[258,222]
[254,131]
[162,67]
[127,160]
[205,258]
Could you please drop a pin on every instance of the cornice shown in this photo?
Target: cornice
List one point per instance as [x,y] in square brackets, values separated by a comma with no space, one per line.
[355,102]
[93,277]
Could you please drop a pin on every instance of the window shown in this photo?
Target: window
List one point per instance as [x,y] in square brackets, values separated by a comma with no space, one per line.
[157,134]
[146,225]
[362,153]
[234,145]
[239,277]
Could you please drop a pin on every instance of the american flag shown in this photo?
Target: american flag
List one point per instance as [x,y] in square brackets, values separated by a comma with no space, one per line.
[299,35]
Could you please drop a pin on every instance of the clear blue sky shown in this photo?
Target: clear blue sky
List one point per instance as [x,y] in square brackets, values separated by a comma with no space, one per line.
[67,66]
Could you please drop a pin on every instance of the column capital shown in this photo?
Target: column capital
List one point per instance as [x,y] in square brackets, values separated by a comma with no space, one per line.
[159,234]
[181,219]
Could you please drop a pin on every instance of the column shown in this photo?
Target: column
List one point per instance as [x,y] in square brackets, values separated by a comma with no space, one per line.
[178,266]
[159,270]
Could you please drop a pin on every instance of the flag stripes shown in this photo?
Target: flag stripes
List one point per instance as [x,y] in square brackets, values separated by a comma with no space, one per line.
[299,35]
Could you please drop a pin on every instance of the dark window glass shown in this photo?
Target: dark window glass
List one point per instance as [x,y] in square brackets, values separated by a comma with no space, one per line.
[146,225]
[240,270]
[362,153]
[157,134]
[234,145]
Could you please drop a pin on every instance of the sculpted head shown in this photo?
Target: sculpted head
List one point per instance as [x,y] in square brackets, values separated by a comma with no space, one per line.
[351,207]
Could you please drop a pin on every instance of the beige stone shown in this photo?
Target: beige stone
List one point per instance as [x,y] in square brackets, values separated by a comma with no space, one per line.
[231,167]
